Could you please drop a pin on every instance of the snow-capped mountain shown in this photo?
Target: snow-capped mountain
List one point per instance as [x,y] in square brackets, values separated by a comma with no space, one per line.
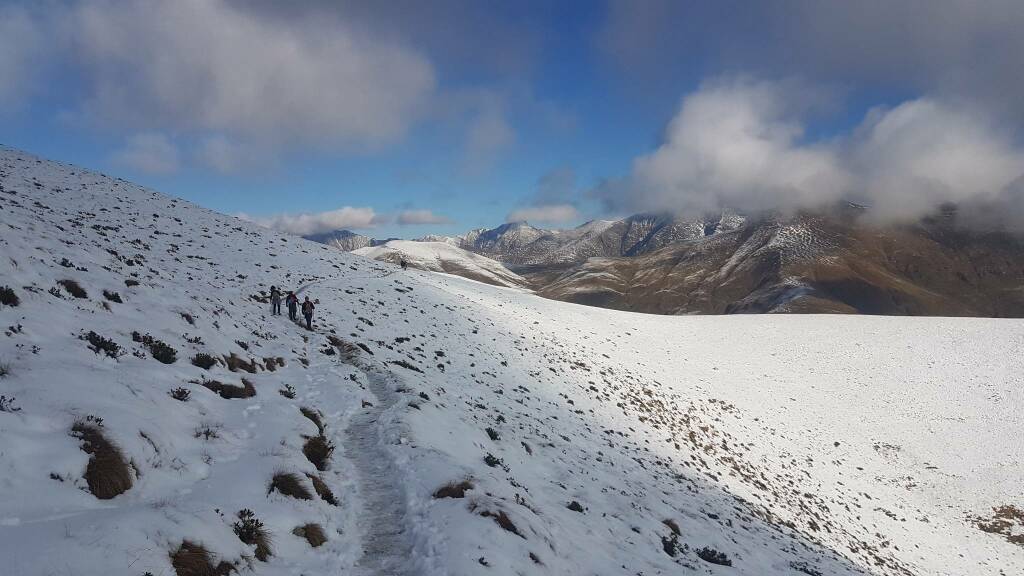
[344,240]
[155,417]
[827,262]
[445,258]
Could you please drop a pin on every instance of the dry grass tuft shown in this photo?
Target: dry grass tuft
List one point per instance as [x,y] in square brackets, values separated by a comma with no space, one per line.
[322,489]
[235,363]
[314,416]
[230,391]
[107,473]
[318,450]
[194,560]
[454,489]
[313,533]
[290,485]
[503,521]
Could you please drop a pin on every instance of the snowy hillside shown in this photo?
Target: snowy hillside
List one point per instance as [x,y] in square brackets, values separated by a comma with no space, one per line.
[434,425]
[446,258]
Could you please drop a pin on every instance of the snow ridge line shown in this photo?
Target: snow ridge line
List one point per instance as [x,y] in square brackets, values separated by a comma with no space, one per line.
[382,517]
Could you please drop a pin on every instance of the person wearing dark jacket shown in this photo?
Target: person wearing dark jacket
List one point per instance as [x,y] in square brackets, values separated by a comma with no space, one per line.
[307,311]
[292,301]
[275,300]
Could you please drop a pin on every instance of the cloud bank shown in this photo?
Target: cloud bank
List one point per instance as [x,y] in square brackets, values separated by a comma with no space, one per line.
[420,217]
[316,223]
[740,143]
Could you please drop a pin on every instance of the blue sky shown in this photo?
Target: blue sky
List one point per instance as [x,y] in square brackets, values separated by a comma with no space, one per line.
[406,118]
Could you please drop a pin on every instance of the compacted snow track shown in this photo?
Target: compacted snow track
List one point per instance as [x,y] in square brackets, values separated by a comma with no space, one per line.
[387,546]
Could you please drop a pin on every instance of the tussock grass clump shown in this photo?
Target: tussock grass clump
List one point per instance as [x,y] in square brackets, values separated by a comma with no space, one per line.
[313,533]
[193,560]
[454,490]
[235,363]
[314,416]
[290,485]
[8,297]
[73,288]
[322,489]
[129,282]
[107,473]
[181,394]
[203,360]
[318,450]
[288,391]
[230,391]
[502,520]
[251,531]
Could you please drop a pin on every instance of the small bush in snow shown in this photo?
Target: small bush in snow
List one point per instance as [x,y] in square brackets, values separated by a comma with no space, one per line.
[160,350]
[99,344]
[318,450]
[112,296]
[250,530]
[107,472]
[493,434]
[7,404]
[5,369]
[575,506]
[8,297]
[203,360]
[181,394]
[495,462]
[129,282]
[73,288]
[287,391]
[713,556]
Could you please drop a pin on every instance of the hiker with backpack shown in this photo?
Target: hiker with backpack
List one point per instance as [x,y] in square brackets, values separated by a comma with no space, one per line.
[307,311]
[293,304]
[275,301]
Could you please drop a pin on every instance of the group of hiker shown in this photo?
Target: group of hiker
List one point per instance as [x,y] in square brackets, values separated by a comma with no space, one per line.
[292,301]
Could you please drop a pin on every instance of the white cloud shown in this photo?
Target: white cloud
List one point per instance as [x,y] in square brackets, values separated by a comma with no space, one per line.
[207,67]
[736,143]
[315,223]
[740,144]
[545,214]
[150,152]
[417,217]
[21,50]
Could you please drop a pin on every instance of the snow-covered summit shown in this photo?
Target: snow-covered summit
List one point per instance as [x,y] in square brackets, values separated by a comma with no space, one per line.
[446,258]
[438,426]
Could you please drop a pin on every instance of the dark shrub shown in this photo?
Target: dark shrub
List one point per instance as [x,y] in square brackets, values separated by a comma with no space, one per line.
[575,506]
[162,352]
[99,344]
[112,296]
[203,360]
[493,434]
[288,391]
[250,530]
[73,288]
[235,364]
[8,297]
[713,556]
[181,394]
[129,282]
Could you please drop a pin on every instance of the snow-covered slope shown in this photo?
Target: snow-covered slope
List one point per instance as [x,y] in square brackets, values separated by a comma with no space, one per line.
[575,440]
[444,257]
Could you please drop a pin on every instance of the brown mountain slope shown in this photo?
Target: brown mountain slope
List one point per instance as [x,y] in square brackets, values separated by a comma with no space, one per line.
[813,264]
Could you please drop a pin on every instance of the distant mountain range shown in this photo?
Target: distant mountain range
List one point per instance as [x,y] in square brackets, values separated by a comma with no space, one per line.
[825,262]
